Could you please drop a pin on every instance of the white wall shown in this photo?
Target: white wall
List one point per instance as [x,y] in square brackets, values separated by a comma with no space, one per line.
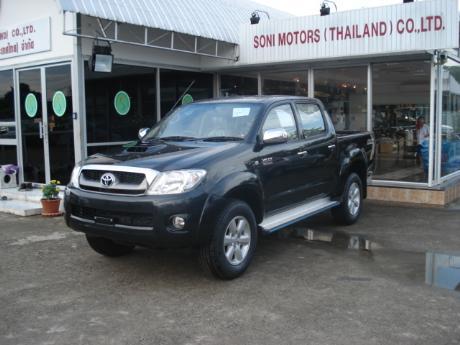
[13,12]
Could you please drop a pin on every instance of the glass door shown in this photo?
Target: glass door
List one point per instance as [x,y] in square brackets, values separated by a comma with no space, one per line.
[31,110]
[45,96]
[59,131]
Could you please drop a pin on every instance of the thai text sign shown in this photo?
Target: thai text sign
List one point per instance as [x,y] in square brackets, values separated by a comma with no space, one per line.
[24,39]
[410,27]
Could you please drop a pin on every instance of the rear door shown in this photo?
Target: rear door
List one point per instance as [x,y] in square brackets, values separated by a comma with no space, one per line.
[318,150]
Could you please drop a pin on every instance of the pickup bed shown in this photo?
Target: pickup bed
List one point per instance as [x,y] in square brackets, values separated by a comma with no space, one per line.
[216,174]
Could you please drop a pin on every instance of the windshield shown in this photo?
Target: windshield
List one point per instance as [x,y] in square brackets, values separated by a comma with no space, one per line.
[207,121]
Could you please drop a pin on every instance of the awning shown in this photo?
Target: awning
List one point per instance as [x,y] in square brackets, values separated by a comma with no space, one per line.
[214,19]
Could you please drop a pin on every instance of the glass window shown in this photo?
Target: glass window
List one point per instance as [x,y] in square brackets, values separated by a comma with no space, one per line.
[8,154]
[6,96]
[119,103]
[7,131]
[401,113]
[174,83]
[282,117]
[312,121]
[107,150]
[205,120]
[285,83]
[234,85]
[344,94]
[450,149]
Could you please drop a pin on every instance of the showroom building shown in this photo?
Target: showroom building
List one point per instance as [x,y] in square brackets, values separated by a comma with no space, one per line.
[394,70]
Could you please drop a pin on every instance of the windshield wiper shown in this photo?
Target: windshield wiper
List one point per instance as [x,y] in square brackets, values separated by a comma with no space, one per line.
[222,138]
[176,138]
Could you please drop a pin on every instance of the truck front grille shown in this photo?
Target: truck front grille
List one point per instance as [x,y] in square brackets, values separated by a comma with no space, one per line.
[122,179]
[122,176]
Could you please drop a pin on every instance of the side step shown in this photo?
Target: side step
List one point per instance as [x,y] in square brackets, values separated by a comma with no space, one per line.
[281,219]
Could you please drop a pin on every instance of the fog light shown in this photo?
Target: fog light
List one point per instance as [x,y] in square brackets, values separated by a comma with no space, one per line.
[178,222]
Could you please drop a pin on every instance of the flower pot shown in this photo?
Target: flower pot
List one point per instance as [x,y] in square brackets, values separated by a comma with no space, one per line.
[50,207]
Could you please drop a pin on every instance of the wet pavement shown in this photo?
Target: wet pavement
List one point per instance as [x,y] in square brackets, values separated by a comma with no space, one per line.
[316,283]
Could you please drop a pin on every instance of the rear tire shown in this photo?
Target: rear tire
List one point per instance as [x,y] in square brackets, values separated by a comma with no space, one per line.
[232,246]
[349,210]
[108,247]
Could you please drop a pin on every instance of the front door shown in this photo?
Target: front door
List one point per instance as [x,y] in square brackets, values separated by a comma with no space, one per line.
[45,97]
[280,165]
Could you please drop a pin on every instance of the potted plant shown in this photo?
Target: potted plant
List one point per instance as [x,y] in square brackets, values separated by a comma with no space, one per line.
[50,199]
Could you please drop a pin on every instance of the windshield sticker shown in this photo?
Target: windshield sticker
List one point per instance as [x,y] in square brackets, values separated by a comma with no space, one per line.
[237,112]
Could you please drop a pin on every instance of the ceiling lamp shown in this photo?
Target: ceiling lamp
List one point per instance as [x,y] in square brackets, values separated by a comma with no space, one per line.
[325,9]
[255,18]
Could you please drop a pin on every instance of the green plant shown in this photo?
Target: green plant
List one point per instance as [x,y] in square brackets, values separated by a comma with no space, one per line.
[50,190]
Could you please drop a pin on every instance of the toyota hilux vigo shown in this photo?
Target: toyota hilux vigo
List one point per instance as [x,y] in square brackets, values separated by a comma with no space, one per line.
[217,174]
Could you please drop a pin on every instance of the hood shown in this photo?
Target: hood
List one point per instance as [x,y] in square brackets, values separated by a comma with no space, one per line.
[164,156]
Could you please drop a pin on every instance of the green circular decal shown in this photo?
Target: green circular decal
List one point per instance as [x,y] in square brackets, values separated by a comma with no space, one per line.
[122,103]
[31,105]
[187,99]
[59,103]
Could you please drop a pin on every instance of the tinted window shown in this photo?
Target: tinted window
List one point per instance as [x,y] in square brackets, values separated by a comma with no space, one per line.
[312,121]
[104,122]
[8,154]
[6,96]
[231,85]
[174,83]
[281,117]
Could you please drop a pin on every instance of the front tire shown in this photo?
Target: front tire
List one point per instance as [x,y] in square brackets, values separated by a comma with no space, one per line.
[232,246]
[108,247]
[349,210]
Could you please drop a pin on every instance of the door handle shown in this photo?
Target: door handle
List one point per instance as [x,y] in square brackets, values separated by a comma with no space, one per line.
[301,153]
[40,129]
[330,147]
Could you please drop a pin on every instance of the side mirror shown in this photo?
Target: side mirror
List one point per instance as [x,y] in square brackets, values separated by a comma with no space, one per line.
[142,132]
[275,136]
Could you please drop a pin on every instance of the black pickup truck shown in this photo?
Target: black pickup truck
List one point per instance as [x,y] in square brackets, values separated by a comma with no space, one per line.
[215,174]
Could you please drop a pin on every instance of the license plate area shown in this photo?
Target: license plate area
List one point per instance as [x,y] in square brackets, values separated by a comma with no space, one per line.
[104,220]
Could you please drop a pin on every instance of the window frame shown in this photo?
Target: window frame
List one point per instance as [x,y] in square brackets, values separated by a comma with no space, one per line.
[296,120]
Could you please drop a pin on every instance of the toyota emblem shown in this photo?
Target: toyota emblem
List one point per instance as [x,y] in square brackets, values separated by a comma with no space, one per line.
[108,179]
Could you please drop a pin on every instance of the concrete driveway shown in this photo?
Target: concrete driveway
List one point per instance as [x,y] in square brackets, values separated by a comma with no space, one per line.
[55,290]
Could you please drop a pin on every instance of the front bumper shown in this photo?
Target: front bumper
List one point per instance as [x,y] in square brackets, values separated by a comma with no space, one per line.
[141,220]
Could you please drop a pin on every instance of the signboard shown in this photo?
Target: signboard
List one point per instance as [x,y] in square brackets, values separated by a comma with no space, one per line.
[122,103]
[59,103]
[31,105]
[410,27]
[187,99]
[23,39]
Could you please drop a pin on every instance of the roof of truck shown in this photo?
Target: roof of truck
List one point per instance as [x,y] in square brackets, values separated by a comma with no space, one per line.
[255,99]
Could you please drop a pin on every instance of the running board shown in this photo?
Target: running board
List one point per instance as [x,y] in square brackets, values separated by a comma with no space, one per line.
[279,220]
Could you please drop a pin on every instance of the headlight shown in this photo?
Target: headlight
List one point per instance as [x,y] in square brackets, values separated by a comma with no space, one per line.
[176,181]
[74,176]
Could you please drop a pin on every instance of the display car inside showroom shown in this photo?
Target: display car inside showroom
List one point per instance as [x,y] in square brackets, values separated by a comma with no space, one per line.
[79,78]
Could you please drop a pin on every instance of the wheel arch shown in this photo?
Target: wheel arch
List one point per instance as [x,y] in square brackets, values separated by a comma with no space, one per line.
[239,186]
[355,162]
